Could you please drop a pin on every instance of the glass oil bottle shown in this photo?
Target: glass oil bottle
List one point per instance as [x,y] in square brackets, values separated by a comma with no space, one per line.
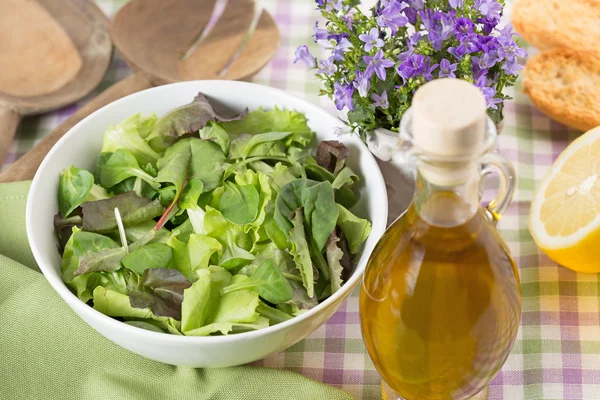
[440,301]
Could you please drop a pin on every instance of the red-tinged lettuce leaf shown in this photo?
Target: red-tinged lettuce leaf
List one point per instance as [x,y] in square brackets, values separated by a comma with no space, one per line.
[63,227]
[190,118]
[301,299]
[99,216]
[161,290]
[339,259]
[332,155]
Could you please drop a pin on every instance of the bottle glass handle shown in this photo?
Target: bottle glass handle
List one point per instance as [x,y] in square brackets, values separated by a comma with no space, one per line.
[490,162]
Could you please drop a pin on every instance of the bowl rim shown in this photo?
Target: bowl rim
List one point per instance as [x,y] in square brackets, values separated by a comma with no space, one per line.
[82,308]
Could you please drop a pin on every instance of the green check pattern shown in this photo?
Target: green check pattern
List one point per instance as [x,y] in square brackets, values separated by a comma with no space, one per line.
[557,352]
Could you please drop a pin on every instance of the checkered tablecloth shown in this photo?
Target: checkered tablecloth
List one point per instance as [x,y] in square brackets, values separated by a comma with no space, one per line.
[557,352]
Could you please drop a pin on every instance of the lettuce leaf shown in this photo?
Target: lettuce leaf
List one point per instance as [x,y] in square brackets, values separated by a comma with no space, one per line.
[128,135]
[356,229]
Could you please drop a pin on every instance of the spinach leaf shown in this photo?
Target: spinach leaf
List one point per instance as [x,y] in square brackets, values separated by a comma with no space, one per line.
[320,211]
[189,118]
[214,131]
[161,290]
[207,163]
[275,120]
[173,166]
[346,177]
[268,281]
[299,250]
[274,315]
[194,255]
[239,204]
[154,255]
[74,185]
[344,195]
[355,229]
[127,135]
[99,216]
[122,165]
[332,155]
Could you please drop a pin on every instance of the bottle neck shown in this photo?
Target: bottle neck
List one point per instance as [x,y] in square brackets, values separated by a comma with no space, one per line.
[447,197]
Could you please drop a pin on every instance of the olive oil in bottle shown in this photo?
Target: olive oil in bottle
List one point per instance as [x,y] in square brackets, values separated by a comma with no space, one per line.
[440,301]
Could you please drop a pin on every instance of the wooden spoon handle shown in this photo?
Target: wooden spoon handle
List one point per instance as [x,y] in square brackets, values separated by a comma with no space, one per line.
[9,120]
[25,167]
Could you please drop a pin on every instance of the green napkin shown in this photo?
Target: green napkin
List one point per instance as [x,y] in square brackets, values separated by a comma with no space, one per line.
[47,352]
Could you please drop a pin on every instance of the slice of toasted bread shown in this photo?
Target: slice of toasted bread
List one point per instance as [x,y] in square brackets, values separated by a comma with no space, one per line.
[546,24]
[565,85]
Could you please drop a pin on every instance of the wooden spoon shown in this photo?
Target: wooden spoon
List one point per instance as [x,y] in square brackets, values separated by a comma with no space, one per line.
[153,36]
[52,53]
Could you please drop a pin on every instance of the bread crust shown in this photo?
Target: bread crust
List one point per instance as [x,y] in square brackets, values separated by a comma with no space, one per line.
[546,24]
[565,85]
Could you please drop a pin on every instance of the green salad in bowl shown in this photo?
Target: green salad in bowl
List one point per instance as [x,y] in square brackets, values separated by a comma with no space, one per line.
[199,223]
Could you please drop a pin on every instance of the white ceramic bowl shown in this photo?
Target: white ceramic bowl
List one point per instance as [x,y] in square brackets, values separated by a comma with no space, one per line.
[81,146]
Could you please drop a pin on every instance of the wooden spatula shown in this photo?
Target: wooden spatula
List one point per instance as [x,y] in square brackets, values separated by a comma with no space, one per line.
[155,38]
[52,53]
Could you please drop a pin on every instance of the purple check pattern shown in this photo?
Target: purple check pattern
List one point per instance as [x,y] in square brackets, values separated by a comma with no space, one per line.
[557,351]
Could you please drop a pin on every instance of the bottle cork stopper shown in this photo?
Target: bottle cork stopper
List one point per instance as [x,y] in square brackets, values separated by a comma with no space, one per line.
[449,118]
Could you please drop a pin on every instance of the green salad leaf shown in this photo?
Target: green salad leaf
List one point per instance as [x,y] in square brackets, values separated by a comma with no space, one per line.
[268,281]
[355,229]
[300,252]
[122,165]
[128,135]
[153,255]
[239,204]
[74,185]
[215,132]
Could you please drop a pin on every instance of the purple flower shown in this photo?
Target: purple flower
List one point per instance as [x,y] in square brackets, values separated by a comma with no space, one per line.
[489,8]
[348,19]
[381,101]
[320,3]
[411,14]
[414,65]
[487,44]
[343,96]
[485,61]
[436,38]
[362,84]
[447,69]
[337,5]
[320,34]
[417,4]
[377,64]
[342,47]
[468,44]
[457,52]
[327,67]
[303,54]
[429,18]
[455,3]
[512,67]
[371,40]
[463,26]
[508,49]
[391,17]
[488,92]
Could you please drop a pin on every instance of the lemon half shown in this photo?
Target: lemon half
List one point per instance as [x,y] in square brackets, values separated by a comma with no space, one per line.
[564,218]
